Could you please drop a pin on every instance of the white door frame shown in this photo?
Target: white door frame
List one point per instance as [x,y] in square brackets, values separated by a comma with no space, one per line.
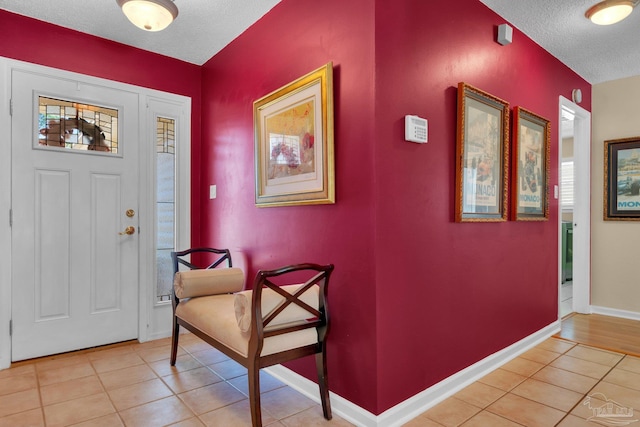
[582,208]
[5,206]
[160,313]
[149,312]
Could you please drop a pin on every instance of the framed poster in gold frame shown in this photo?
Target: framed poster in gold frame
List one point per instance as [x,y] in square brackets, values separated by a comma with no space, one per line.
[294,157]
[531,154]
[482,153]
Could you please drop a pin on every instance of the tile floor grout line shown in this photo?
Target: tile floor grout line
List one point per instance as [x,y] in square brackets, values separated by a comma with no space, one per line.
[147,362]
[104,389]
[35,372]
[225,380]
[566,413]
[155,351]
[581,401]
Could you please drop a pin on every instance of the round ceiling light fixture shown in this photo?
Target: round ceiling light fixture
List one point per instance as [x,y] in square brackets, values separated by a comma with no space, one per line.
[610,12]
[149,15]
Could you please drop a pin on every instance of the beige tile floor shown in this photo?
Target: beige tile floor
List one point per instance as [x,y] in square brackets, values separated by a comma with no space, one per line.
[133,385]
[557,383]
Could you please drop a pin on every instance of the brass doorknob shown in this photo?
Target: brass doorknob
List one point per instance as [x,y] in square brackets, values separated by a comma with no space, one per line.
[129,230]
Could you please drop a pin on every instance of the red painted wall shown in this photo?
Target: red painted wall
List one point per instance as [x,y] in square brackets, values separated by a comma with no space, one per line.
[38,42]
[292,40]
[453,293]
[415,297]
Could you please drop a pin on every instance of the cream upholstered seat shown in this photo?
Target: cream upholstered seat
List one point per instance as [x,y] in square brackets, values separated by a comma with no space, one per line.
[270,324]
[216,317]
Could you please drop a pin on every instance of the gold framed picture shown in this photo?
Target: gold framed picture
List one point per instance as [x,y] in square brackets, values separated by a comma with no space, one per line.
[482,153]
[531,153]
[294,156]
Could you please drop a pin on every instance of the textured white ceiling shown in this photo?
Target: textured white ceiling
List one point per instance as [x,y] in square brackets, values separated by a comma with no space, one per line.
[204,27]
[596,53]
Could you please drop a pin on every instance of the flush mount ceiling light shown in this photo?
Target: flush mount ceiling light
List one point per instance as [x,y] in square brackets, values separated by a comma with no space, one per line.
[609,12]
[150,15]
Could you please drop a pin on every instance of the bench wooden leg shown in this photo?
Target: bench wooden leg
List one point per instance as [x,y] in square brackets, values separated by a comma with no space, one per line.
[254,394]
[174,341]
[323,382]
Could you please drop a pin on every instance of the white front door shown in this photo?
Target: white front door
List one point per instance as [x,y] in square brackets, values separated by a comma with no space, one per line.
[74,270]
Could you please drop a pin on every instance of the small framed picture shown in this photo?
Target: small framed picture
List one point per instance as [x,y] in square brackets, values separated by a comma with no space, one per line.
[531,152]
[482,153]
[622,179]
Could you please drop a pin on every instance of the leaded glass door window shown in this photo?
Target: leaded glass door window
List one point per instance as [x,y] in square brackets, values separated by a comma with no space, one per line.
[76,126]
[165,199]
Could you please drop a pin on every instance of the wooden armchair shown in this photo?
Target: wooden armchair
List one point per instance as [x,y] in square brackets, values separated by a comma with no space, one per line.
[273,323]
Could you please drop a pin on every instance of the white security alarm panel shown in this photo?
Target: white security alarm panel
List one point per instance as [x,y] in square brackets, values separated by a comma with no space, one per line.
[416,129]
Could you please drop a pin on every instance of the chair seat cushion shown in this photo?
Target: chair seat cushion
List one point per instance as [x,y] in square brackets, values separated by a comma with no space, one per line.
[215,316]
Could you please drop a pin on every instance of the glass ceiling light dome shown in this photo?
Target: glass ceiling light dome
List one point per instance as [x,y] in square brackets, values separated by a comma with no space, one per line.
[610,11]
[149,15]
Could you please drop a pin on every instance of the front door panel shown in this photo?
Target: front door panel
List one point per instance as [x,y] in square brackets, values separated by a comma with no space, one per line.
[75,269]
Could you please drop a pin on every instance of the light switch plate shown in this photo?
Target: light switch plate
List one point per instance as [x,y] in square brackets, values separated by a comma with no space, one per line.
[212,191]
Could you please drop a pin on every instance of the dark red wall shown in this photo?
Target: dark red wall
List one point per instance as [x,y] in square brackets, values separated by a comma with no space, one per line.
[38,42]
[415,297]
[290,41]
[453,293]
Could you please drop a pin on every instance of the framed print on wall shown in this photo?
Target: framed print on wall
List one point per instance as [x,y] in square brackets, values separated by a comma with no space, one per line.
[622,179]
[294,142]
[531,153]
[482,153]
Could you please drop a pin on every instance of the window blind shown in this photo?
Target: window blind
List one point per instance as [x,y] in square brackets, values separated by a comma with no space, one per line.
[566,185]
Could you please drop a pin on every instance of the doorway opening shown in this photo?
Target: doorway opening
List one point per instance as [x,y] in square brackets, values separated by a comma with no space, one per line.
[574,217]
[567,178]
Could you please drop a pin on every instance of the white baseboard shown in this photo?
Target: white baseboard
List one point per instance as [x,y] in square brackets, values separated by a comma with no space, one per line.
[414,406]
[339,405]
[613,312]
[157,336]
[5,362]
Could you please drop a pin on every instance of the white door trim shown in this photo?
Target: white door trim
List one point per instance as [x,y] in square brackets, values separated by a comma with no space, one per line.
[582,208]
[148,326]
[160,313]
[5,206]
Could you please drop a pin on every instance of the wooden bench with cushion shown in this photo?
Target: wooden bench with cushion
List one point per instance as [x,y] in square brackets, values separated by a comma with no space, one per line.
[283,317]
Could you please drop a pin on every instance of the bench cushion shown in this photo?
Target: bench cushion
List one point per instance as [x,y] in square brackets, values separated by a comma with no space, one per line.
[270,301]
[215,316]
[197,283]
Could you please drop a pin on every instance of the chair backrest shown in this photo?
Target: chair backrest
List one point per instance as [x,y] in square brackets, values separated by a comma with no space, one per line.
[319,318]
[203,260]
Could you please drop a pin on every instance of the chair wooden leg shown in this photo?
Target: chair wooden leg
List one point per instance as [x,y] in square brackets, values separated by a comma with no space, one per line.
[254,394]
[323,382]
[174,341]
